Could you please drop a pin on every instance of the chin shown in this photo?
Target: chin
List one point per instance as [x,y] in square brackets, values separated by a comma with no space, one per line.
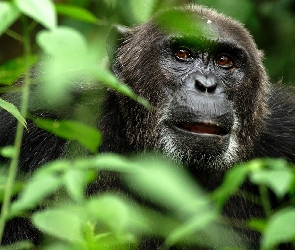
[198,149]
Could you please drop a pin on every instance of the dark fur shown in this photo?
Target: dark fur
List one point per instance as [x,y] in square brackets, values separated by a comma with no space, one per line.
[265,114]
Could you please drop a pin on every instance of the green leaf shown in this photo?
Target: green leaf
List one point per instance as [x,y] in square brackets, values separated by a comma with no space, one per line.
[231,183]
[180,22]
[111,3]
[14,111]
[21,245]
[34,191]
[280,229]
[76,182]
[63,42]
[111,210]
[107,78]
[194,225]
[142,10]
[54,167]
[120,215]
[17,187]
[8,151]
[72,60]
[66,62]
[106,161]
[233,8]
[13,69]
[113,162]
[76,13]
[278,180]
[168,186]
[257,224]
[42,11]
[72,130]
[63,224]
[8,15]
[58,246]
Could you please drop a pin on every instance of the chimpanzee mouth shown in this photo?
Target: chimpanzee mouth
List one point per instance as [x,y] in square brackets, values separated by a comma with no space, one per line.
[203,128]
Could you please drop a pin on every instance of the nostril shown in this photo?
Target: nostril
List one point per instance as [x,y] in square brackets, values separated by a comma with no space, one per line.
[200,87]
[209,88]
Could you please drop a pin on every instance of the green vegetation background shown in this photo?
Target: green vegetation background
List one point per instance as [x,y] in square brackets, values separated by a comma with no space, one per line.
[108,221]
[271,22]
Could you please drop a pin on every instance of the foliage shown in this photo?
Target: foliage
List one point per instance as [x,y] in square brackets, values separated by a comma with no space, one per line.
[72,57]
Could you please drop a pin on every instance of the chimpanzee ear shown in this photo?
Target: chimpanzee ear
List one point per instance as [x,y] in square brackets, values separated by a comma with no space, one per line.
[115,37]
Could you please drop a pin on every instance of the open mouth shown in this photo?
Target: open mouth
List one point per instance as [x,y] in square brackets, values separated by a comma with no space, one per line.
[204,128]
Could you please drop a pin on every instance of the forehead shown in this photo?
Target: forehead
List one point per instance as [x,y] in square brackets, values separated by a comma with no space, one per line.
[204,24]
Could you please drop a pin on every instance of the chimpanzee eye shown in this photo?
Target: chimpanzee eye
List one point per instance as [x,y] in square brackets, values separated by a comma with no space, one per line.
[183,54]
[224,61]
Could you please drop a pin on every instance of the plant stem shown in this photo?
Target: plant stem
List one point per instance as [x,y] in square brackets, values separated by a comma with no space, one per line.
[19,132]
[14,35]
[265,200]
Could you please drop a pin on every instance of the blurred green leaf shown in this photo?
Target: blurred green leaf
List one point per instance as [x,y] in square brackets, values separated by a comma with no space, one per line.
[72,60]
[168,186]
[61,223]
[257,224]
[276,174]
[185,25]
[231,183]
[112,211]
[8,151]
[65,64]
[191,227]
[233,8]
[34,191]
[111,3]
[279,181]
[280,228]
[106,161]
[77,13]
[76,182]
[59,246]
[11,70]
[270,163]
[203,231]
[54,167]
[21,245]
[142,10]
[107,78]
[9,107]
[122,221]
[8,15]
[113,162]
[72,130]
[63,42]
[17,187]
[40,10]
